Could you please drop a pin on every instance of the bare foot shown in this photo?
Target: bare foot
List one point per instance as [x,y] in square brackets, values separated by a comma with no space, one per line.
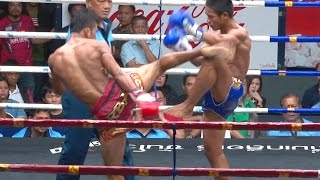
[214,51]
[178,111]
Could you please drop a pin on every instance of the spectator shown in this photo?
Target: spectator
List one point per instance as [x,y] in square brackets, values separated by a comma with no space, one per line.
[4,114]
[148,132]
[312,95]
[56,43]
[49,96]
[169,92]
[291,100]
[151,132]
[8,131]
[188,82]
[4,94]
[137,53]
[12,79]
[42,15]
[19,48]
[38,131]
[125,15]
[254,88]
[243,116]
[159,95]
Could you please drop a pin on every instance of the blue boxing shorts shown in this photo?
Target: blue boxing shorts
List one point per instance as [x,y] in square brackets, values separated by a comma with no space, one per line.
[225,108]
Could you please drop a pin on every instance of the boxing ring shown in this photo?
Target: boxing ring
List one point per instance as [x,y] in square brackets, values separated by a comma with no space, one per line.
[174,147]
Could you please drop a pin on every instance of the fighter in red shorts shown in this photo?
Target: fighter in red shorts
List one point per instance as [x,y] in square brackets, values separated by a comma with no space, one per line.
[87,68]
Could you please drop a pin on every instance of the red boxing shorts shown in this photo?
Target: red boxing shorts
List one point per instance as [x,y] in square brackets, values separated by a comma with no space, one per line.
[115,104]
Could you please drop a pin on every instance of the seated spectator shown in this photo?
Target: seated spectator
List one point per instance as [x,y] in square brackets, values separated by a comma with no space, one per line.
[169,92]
[50,97]
[254,88]
[4,94]
[312,95]
[8,131]
[145,132]
[188,83]
[125,16]
[158,94]
[136,53]
[153,133]
[4,114]
[291,100]
[243,116]
[38,131]
[13,78]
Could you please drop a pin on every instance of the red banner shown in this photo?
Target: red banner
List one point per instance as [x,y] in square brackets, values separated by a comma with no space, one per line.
[302,22]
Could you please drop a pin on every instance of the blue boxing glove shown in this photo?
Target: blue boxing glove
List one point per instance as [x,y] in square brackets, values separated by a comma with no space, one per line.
[184,20]
[176,39]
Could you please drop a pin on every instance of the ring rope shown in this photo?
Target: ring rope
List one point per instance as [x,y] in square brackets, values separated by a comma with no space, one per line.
[195,109]
[173,71]
[157,171]
[189,3]
[264,126]
[55,35]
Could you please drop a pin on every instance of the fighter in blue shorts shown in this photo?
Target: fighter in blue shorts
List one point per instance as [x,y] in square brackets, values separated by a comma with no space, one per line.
[224,65]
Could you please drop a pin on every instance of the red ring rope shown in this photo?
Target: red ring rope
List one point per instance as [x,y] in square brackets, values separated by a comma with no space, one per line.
[156,171]
[160,124]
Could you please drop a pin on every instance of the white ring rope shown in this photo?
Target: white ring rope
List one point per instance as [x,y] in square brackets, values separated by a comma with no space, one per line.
[59,106]
[46,69]
[152,2]
[55,35]
[31,106]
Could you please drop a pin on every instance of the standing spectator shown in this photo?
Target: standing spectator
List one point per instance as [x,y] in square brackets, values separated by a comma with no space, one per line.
[125,15]
[254,88]
[312,95]
[291,100]
[168,91]
[56,43]
[76,143]
[38,131]
[136,53]
[42,15]
[19,48]
[12,79]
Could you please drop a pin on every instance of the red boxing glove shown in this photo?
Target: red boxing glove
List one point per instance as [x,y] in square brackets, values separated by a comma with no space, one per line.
[149,110]
[148,105]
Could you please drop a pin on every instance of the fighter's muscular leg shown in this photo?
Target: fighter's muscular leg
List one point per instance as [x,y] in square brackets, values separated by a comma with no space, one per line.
[213,141]
[112,152]
[214,75]
[150,72]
